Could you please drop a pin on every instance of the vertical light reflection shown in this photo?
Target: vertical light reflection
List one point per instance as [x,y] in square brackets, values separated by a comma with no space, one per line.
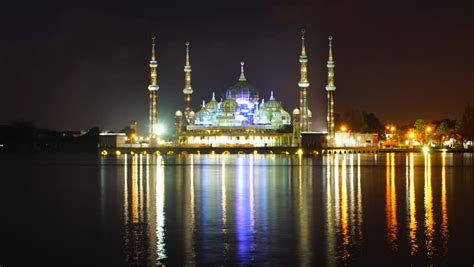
[412,223]
[125,189]
[134,190]
[160,213]
[330,226]
[223,198]
[444,207]
[303,244]
[352,208]
[243,227]
[344,211]
[359,200]
[190,214]
[429,218]
[391,203]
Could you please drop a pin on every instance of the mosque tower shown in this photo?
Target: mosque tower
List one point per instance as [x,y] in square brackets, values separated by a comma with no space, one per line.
[187,88]
[153,88]
[303,84]
[330,88]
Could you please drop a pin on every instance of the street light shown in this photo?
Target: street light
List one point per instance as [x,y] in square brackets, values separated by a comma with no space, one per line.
[343,128]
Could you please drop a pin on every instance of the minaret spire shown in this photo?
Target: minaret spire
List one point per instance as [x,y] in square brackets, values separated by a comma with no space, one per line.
[153,89]
[303,84]
[242,76]
[330,88]
[187,87]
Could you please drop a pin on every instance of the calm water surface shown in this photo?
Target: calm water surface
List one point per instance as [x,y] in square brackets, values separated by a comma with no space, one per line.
[385,209]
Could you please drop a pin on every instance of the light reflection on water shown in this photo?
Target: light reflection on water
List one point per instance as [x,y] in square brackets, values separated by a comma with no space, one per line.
[244,209]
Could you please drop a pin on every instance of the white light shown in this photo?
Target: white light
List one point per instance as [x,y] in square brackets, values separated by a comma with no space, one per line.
[159,129]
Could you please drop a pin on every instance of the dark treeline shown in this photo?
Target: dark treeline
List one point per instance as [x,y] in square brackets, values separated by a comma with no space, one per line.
[24,136]
[360,121]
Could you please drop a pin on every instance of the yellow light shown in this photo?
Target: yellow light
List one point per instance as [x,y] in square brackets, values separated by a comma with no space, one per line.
[411,135]
[426,149]
[392,128]
[428,129]
[255,152]
[299,152]
[343,128]
[104,153]
[118,153]
[388,127]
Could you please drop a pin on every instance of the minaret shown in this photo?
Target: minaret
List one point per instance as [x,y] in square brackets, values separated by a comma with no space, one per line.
[153,88]
[187,87]
[303,84]
[330,88]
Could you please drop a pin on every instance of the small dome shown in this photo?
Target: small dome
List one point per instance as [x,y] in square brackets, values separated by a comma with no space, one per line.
[273,105]
[229,106]
[213,105]
[203,116]
[178,113]
[262,116]
[296,111]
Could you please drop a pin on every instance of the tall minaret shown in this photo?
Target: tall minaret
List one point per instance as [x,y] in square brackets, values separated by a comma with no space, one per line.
[303,84]
[153,88]
[330,88]
[187,87]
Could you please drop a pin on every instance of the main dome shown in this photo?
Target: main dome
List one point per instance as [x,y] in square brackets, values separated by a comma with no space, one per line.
[242,89]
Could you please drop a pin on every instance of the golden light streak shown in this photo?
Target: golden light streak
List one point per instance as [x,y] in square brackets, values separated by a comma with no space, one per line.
[391,203]
[160,204]
[344,211]
[412,225]
[444,206]
[429,217]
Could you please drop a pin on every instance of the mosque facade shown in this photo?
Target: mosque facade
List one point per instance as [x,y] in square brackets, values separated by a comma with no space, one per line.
[244,117]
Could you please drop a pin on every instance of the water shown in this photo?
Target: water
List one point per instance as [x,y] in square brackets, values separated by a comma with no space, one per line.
[142,210]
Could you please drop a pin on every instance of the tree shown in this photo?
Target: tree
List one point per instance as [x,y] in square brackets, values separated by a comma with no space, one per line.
[443,128]
[442,131]
[420,126]
[467,123]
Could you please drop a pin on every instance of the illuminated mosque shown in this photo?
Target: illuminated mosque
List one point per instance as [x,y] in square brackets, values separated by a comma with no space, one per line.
[244,117]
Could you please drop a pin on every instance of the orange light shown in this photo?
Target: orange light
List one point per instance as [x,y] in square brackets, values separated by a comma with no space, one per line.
[343,128]
[428,129]
[411,135]
[392,128]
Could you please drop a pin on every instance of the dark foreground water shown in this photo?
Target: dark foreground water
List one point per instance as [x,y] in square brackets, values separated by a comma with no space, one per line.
[386,209]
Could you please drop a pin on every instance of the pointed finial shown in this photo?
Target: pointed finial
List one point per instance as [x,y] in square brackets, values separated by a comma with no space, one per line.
[271,95]
[153,37]
[213,97]
[203,103]
[187,53]
[330,48]
[242,76]
[303,48]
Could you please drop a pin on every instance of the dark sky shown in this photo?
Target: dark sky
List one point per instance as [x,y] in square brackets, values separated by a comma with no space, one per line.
[76,64]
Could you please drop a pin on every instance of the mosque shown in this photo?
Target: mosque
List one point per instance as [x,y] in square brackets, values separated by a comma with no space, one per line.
[244,118]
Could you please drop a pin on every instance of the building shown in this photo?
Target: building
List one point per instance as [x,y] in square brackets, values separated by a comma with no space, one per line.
[243,117]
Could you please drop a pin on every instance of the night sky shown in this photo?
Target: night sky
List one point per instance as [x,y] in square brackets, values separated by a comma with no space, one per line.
[79,65]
